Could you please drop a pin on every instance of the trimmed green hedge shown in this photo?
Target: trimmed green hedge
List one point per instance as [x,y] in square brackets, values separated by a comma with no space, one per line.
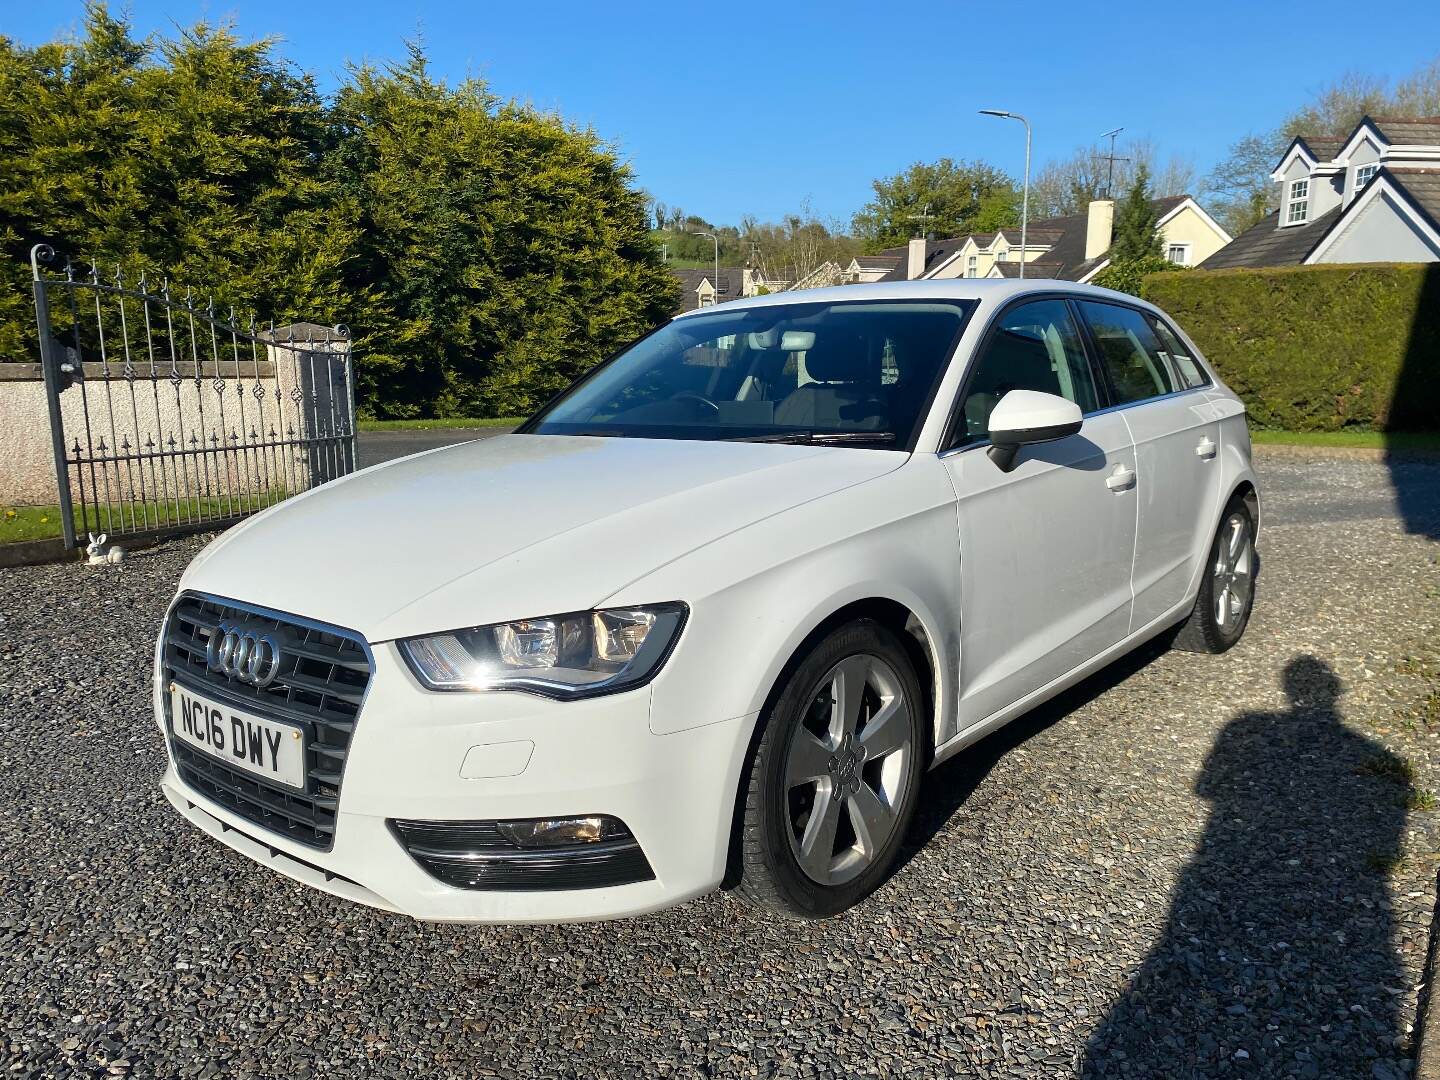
[1318,348]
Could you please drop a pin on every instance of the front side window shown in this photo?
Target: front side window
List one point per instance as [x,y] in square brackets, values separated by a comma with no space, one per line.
[851,372]
[972,264]
[1364,174]
[1298,205]
[1034,346]
[1179,254]
[1129,351]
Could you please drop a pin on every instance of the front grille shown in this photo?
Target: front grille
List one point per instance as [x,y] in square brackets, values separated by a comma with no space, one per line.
[318,686]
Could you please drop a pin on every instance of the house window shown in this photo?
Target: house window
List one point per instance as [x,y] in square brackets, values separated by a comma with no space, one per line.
[1363,175]
[972,265]
[1297,208]
[1179,254]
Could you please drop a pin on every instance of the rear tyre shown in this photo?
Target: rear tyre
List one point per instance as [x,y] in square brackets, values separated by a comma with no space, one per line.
[1227,591]
[835,776]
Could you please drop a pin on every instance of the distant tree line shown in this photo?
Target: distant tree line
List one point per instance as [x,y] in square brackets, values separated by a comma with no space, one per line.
[784,250]
[483,253]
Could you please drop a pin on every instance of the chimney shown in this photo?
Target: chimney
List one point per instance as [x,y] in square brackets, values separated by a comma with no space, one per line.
[915,259]
[1099,227]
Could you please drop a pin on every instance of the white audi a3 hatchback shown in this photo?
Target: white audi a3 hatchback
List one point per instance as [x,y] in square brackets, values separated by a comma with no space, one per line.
[709,616]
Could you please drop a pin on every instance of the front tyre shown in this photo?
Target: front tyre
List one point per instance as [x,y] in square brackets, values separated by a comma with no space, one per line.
[835,776]
[1227,591]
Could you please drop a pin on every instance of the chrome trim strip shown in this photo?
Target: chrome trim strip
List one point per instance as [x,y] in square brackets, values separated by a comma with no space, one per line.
[526,855]
[1098,412]
[275,613]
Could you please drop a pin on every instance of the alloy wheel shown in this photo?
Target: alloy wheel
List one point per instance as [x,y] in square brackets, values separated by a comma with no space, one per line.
[1233,572]
[847,765]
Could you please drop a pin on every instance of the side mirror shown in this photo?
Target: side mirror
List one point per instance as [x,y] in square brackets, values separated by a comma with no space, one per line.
[1023,417]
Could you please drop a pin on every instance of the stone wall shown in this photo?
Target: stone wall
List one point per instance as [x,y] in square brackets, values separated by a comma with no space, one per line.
[289,395]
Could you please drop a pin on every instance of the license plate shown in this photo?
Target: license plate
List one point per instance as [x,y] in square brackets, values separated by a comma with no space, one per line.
[238,738]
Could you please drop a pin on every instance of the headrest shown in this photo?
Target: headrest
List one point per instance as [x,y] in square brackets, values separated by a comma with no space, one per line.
[837,359]
[1022,359]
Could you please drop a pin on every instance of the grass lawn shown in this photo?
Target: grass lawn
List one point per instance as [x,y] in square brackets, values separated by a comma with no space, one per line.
[428,425]
[1363,440]
[43,522]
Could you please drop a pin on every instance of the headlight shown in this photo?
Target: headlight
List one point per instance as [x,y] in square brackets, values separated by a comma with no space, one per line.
[582,654]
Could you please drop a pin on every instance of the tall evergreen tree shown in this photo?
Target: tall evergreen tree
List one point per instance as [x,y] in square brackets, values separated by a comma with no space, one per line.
[194,157]
[1135,236]
[483,253]
[509,251]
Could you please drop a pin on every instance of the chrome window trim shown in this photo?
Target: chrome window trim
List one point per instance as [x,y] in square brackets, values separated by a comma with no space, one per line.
[1086,416]
[1148,401]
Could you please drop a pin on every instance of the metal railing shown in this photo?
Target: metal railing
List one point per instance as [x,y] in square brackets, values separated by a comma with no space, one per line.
[168,415]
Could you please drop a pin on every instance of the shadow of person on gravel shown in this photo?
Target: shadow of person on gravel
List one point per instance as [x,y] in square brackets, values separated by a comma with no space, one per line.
[1276,958]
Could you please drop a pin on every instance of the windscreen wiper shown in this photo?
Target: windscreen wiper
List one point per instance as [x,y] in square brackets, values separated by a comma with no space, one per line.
[820,438]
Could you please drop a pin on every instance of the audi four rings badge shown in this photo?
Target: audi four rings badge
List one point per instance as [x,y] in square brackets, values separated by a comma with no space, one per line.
[247,653]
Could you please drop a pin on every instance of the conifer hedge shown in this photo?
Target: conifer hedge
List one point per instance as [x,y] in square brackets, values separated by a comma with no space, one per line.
[483,253]
[1318,348]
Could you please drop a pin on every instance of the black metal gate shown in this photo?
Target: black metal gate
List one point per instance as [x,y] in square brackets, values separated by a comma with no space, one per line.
[167,415]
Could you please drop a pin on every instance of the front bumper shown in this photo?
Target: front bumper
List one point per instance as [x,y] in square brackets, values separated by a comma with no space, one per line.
[426,756]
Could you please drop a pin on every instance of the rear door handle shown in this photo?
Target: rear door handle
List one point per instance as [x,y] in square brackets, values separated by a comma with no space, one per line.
[1121,479]
[1206,449]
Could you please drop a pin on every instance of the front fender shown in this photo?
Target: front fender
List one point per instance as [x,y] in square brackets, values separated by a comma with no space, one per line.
[756,594]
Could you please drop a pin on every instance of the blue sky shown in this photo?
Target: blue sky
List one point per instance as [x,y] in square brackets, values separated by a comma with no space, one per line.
[763,106]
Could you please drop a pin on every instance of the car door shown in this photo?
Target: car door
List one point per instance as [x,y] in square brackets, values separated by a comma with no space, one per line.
[1045,549]
[1176,432]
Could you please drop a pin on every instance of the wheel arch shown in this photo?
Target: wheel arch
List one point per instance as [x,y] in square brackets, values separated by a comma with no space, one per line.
[918,642]
[899,619]
[1245,491]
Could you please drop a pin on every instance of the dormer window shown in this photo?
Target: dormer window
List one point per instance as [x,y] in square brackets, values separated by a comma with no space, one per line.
[1297,206]
[1363,175]
[972,266]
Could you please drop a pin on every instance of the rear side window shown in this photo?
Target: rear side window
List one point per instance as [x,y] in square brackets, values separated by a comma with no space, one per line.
[1035,346]
[1130,352]
[1188,372]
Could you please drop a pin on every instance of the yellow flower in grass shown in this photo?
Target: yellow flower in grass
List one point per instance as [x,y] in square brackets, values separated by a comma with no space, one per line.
[9,515]
[44,519]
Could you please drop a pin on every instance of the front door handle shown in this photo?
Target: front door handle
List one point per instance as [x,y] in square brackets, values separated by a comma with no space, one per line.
[1121,479]
[1206,449]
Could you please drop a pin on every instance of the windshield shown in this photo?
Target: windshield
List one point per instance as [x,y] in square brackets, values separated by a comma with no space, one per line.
[855,373]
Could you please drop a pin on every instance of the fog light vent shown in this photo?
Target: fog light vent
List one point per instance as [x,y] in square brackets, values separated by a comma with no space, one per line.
[529,854]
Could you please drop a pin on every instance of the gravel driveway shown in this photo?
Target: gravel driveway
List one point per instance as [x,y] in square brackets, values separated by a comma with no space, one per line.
[1189,866]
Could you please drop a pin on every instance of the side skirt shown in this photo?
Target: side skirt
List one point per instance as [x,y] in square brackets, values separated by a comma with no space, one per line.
[977,731]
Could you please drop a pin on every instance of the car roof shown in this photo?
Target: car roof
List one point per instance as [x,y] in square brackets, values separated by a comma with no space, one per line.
[987,290]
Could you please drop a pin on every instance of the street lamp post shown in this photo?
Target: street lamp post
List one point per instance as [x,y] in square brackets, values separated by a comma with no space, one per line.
[1024,198]
[716,283]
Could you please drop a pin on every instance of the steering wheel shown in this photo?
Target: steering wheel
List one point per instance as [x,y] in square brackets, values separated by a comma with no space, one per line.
[691,395]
